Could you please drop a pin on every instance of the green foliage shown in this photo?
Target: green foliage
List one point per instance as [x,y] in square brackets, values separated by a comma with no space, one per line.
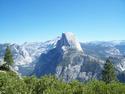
[116,88]
[10,83]
[95,87]
[4,67]
[31,83]
[108,74]
[100,87]
[51,85]
[8,58]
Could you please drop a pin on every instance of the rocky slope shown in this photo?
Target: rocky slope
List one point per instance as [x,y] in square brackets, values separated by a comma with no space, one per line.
[26,55]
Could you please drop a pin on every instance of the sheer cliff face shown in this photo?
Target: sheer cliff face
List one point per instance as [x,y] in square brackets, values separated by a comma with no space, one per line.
[67,61]
[63,60]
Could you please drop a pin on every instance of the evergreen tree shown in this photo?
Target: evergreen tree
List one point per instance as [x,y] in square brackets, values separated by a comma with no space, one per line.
[8,58]
[108,73]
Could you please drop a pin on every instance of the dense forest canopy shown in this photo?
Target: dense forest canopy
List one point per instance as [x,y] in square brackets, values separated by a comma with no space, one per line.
[10,83]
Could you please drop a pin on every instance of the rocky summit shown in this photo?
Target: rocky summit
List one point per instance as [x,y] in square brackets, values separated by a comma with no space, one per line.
[68,40]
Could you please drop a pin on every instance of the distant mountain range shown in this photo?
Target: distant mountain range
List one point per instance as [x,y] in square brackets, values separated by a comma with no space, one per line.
[66,58]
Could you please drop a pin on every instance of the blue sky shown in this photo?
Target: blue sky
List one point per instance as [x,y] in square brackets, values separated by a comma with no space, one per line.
[41,20]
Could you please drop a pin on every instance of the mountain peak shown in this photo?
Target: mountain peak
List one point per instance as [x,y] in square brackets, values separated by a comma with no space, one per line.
[68,39]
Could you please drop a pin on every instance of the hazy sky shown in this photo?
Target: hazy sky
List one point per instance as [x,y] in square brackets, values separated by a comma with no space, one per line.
[41,20]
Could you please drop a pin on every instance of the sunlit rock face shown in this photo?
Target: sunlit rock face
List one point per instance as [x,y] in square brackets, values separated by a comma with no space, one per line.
[69,40]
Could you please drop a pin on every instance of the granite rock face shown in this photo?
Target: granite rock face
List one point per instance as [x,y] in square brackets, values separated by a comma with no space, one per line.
[67,61]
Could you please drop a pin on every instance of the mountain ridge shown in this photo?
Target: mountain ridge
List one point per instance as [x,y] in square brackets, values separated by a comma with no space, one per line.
[28,54]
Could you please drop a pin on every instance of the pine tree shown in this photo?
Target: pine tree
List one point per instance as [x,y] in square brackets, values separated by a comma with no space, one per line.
[8,58]
[108,73]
